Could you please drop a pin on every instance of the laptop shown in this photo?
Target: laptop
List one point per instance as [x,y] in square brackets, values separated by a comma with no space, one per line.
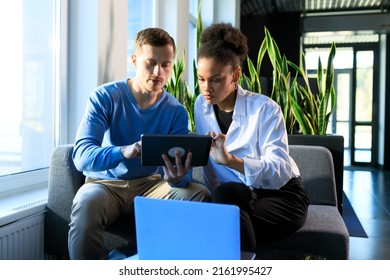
[185,230]
[154,145]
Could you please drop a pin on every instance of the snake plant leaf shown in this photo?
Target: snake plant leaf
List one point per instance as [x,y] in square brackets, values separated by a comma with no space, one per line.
[189,103]
[195,76]
[330,67]
[310,102]
[303,121]
[315,106]
[320,73]
[333,105]
[254,84]
[273,50]
[260,56]
[327,92]
[199,25]
[329,113]
[244,81]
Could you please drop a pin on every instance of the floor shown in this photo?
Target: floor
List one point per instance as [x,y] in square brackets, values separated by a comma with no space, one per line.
[369,193]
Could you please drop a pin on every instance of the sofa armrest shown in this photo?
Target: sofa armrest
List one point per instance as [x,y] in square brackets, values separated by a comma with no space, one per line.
[315,164]
[64,181]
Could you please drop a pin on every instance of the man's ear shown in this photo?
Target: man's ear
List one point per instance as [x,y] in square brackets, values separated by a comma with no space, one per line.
[134,60]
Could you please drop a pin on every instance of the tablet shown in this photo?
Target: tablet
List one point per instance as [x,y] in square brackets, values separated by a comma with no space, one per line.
[155,145]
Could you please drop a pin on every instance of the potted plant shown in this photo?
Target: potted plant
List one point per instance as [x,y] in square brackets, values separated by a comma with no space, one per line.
[178,87]
[305,111]
[282,84]
[297,101]
[313,109]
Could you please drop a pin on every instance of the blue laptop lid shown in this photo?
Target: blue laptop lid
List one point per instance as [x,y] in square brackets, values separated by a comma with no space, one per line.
[184,230]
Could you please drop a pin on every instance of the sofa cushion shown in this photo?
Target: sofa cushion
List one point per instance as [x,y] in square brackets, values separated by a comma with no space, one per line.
[324,233]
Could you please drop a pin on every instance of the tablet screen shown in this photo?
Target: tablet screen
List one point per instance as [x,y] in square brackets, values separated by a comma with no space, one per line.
[154,145]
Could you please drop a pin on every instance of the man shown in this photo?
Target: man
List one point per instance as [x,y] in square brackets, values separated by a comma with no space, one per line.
[107,147]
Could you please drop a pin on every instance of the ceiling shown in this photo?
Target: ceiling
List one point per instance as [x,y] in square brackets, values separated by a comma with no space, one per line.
[262,7]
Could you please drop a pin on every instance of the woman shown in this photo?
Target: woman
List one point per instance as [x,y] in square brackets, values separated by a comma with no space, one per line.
[249,162]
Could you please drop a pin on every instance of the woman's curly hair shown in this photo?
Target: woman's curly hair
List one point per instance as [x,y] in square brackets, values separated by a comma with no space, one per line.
[224,43]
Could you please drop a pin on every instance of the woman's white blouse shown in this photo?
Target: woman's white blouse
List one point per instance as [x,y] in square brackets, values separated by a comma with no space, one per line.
[257,134]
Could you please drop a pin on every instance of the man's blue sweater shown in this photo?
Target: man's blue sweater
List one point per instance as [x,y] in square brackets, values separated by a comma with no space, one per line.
[114,119]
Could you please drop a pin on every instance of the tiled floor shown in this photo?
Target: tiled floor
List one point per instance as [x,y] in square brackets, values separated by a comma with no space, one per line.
[369,193]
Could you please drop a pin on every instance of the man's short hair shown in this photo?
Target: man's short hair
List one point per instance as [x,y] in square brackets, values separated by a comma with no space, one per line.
[156,37]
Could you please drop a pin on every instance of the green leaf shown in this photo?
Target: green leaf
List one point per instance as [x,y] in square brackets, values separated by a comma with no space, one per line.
[199,24]
[302,119]
[254,85]
[260,56]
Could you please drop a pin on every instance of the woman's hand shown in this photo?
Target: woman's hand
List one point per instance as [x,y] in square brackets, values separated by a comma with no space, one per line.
[218,151]
[220,154]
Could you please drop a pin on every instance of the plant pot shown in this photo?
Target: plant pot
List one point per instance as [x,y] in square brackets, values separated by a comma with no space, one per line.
[335,144]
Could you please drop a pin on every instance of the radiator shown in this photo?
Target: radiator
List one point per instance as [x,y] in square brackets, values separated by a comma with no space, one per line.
[23,239]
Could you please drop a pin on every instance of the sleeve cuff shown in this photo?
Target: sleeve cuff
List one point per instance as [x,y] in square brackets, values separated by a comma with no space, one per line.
[117,154]
[183,183]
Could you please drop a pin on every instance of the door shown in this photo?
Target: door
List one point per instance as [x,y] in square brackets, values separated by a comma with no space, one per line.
[356,83]
[363,135]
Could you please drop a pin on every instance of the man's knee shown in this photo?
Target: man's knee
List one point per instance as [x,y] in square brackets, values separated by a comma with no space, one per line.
[194,192]
[202,193]
[88,206]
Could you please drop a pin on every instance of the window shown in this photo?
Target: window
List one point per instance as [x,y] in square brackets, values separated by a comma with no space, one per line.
[29,72]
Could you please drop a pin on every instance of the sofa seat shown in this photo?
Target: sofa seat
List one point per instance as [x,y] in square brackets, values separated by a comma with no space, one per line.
[323,234]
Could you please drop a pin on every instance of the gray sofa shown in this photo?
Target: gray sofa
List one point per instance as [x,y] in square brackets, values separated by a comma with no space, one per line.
[324,233]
